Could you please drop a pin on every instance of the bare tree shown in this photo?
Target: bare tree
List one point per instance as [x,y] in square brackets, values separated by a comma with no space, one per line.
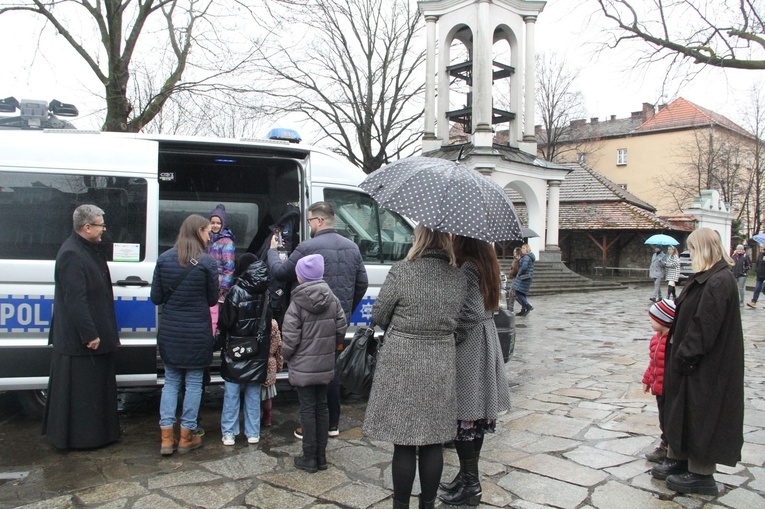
[713,158]
[558,104]
[106,34]
[754,115]
[719,33]
[354,73]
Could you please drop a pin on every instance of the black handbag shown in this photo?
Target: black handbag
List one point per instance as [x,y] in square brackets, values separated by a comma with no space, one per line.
[356,364]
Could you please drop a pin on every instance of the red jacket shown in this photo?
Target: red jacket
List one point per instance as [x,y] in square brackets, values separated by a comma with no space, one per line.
[654,374]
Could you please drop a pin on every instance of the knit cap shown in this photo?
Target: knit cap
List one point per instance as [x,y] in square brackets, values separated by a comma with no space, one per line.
[220,211]
[310,268]
[740,246]
[663,312]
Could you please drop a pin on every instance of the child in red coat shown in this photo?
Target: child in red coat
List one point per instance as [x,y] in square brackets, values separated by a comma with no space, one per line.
[662,314]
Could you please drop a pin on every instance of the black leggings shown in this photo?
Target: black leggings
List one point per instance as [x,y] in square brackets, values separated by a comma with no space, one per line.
[404,467]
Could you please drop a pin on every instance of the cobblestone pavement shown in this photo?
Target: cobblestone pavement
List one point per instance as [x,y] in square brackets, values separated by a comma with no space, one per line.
[575,437]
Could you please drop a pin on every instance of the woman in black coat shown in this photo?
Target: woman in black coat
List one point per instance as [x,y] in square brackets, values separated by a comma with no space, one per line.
[704,377]
[186,283]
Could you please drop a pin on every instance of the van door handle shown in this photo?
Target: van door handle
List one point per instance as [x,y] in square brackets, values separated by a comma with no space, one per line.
[132,281]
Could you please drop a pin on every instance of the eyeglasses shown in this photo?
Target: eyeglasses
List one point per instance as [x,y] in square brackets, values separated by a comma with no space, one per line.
[102,225]
[312,218]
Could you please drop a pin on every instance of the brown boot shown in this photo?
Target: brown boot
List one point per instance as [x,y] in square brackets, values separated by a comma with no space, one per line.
[168,440]
[189,441]
[265,416]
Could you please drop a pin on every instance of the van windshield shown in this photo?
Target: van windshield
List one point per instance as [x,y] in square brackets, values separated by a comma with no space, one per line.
[382,235]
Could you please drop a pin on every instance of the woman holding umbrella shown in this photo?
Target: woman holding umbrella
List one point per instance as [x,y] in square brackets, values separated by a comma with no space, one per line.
[413,398]
[704,375]
[482,391]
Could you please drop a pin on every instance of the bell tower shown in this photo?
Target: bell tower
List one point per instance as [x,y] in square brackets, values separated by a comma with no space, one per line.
[480,66]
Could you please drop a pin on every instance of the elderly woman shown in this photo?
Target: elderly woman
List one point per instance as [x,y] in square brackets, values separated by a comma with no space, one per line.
[704,374]
[413,399]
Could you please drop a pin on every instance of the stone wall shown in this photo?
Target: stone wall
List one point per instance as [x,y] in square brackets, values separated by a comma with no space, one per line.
[581,255]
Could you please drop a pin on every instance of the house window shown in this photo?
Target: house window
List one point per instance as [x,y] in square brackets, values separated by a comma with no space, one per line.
[621,156]
[581,157]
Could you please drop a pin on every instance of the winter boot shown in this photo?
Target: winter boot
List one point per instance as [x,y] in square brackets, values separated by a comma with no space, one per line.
[400,505]
[265,413]
[305,463]
[657,455]
[424,504]
[169,442]
[321,458]
[189,441]
[451,487]
[469,493]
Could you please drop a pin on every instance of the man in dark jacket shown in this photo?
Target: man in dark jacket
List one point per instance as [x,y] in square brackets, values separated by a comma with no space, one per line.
[759,271]
[742,264]
[81,410]
[344,272]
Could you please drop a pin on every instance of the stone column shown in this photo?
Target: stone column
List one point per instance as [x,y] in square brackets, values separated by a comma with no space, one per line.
[552,249]
[529,143]
[429,140]
[482,77]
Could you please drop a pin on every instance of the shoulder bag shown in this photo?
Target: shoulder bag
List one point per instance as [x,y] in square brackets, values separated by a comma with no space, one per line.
[356,364]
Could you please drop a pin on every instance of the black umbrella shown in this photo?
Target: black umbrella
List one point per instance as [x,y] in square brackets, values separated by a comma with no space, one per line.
[528,232]
[445,196]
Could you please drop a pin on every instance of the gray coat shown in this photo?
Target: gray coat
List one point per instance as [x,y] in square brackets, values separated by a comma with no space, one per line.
[482,390]
[656,270]
[413,397]
[314,325]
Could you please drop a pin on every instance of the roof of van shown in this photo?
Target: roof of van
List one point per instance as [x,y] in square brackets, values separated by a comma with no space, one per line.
[138,152]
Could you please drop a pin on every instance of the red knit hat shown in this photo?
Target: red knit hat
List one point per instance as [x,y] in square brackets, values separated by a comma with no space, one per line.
[663,312]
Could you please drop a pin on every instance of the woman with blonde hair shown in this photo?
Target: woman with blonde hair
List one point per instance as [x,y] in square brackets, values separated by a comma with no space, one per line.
[186,283]
[413,399]
[704,373]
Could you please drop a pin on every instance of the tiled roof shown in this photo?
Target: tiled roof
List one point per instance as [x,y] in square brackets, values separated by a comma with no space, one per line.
[589,201]
[682,113]
[598,130]
[460,151]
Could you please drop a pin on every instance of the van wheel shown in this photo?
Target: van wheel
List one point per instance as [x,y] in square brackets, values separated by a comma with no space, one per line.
[33,403]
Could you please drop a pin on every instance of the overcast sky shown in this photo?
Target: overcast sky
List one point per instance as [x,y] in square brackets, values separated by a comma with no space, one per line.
[609,85]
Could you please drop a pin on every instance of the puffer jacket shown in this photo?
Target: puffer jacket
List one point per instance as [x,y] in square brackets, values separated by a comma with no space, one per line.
[242,316]
[185,337]
[522,281]
[344,269]
[654,373]
[314,325]
[223,250]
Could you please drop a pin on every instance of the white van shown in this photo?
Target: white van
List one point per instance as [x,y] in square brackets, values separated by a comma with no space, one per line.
[147,185]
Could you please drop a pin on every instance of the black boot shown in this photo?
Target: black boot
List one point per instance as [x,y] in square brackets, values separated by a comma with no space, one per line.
[400,505]
[427,505]
[451,487]
[669,467]
[470,491]
[305,463]
[321,458]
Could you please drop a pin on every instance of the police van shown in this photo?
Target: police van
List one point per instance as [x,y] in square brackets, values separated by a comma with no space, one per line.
[147,185]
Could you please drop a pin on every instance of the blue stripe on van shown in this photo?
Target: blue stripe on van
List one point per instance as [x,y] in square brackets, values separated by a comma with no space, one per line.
[32,313]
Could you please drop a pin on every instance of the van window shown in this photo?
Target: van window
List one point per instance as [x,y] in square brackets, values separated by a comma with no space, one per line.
[255,190]
[36,212]
[382,235]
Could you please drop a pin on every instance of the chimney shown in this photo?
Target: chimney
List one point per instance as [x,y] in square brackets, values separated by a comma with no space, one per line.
[613,117]
[648,111]
[578,122]
[594,120]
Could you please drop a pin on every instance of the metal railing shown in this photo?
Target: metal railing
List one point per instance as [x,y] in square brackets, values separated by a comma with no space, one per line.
[619,271]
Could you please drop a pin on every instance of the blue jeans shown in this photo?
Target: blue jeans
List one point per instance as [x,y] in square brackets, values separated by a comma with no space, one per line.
[229,417]
[168,405]
[758,286]
[522,300]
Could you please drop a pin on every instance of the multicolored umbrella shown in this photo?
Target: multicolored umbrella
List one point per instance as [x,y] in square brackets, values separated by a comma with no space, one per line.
[445,196]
